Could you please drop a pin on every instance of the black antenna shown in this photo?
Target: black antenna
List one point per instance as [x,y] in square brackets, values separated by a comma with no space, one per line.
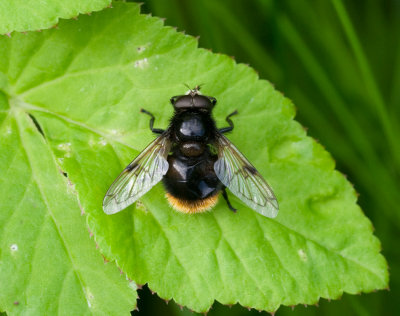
[200,86]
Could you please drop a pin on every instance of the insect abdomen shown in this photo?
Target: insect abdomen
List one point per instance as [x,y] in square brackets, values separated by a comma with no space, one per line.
[192,149]
[191,182]
[192,206]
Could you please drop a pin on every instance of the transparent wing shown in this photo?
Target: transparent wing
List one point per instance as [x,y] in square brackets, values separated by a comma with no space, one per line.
[139,176]
[243,180]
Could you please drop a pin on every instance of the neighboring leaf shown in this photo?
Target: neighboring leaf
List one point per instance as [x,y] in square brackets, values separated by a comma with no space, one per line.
[31,15]
[48,264]
[87,101]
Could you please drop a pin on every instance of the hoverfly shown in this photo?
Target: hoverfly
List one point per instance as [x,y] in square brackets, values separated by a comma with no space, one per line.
[195,162]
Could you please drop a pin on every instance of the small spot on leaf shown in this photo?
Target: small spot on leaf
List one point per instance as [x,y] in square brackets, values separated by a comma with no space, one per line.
[141,206]
[141,49]
[142,63]
[66,148]
[89,298]
[302,254]
[102,141]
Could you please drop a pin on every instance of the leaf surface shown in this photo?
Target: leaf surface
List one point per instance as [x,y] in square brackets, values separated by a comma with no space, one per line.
[48,264]
[87,102]
[31,15]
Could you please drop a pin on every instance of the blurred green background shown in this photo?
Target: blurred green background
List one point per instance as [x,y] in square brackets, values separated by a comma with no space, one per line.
[339,61]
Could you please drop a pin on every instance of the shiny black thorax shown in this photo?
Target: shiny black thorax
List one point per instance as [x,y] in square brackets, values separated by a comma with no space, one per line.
[191,173]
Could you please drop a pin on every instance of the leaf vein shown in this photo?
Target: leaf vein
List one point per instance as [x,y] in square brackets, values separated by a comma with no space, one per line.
[44,198]
[177,258]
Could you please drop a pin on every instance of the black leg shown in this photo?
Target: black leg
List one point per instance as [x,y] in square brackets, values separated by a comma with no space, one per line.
[154,130]
[227,200]
[230,128]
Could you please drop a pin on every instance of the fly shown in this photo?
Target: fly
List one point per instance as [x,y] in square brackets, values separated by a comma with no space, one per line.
[195,162]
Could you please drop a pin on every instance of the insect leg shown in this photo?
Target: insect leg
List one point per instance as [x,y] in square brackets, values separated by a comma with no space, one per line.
[225,195]
[154,130]
[230,128]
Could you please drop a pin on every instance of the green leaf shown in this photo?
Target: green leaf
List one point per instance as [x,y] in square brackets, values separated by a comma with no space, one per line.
[48,264]
[87,101]
[31,15]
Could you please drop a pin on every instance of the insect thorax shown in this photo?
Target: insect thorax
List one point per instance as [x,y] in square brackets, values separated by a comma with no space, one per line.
[193,126]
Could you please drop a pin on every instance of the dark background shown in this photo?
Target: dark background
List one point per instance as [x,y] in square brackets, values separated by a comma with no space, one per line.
[339,61]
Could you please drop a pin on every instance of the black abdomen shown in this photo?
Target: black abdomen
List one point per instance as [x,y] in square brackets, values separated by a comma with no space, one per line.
[191,178]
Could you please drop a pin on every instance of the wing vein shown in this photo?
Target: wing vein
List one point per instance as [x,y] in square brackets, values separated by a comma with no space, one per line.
[242,179]
[145,171]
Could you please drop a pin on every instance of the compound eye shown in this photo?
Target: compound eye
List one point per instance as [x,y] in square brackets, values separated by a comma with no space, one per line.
[213,100]
[183,101]
[201,101]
